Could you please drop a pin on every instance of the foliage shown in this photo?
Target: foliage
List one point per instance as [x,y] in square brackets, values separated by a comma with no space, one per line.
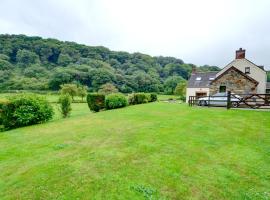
[70,89]
[65,104]
[180,89]
[207,68]
[116,100]
[82,91]
[5,65]
[138,98]
[153,97]
[107,88]
[3,102]
[25,57]
[53,63]
[171,83]
[96,101]
[24,110]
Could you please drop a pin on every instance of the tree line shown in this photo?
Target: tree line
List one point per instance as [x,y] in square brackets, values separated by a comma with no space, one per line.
[34,63]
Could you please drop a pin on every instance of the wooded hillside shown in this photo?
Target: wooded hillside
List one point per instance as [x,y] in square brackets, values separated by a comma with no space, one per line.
[34,63]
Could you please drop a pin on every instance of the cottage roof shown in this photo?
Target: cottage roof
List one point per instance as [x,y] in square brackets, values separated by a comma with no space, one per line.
[201,79]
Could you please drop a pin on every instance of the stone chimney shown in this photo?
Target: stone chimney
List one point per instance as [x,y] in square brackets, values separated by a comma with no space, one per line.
[240,54]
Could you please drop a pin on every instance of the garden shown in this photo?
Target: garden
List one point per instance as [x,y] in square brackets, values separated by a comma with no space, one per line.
[147,151]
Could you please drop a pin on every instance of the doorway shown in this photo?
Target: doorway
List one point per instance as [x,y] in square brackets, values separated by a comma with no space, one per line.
[200,94]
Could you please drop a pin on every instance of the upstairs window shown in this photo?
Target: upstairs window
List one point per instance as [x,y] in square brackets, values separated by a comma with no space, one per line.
[211,78]
[247,70]
[198,78]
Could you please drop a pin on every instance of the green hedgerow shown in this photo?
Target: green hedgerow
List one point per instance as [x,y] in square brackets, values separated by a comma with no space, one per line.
[116,100]
[96,101]
[153,97]
[139,98]
[24,110]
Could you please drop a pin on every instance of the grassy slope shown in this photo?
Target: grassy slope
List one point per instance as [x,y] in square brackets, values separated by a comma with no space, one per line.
[167,151]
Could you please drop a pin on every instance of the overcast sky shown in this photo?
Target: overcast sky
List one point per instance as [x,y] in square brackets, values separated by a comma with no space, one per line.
[197,31]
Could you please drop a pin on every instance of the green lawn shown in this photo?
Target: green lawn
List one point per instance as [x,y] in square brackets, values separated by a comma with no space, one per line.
[151,151]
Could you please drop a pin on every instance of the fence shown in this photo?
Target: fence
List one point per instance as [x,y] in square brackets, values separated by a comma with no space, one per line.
[231,100]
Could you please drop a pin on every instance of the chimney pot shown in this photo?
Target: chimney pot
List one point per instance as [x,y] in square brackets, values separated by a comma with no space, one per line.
[240,54]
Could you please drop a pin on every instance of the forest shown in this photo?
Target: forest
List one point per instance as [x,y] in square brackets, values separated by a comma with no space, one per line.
[34,63]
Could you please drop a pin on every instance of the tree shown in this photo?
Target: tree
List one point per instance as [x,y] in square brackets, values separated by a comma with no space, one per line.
[180,89]
[100,77]
[58,78]
[67,62]
[171,82]
[107,88]
[70,89]
[4,57]
[5,65]
[64,59]
[82,91]
[26,58]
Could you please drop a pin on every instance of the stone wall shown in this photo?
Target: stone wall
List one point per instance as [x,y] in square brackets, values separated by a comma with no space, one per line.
[234,82]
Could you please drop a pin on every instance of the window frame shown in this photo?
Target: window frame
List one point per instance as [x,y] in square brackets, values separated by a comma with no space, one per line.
[247,70]
[222,86]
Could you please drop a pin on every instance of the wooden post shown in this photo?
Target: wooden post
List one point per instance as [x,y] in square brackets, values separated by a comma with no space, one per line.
[229,100]
[209,100]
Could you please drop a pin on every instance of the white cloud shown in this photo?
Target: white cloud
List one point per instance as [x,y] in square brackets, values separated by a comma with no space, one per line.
[200,32]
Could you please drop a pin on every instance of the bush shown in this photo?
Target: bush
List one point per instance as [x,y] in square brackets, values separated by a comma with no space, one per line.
[96,101]
[153,97]
[2,103]
[116,100]
[24,110]
[65,101]
[139,98]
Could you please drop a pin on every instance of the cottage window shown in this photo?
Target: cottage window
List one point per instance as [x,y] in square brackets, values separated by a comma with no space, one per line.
[247,70]
[222,88]
[198,78]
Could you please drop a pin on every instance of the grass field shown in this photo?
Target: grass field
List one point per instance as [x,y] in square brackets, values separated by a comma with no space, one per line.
[151,151]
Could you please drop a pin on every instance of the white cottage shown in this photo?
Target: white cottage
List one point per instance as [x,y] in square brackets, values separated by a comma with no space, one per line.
[239,76]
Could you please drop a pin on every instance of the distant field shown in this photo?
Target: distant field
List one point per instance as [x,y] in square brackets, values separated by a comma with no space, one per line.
[150,151]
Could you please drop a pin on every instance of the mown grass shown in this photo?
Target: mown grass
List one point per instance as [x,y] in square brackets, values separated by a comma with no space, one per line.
[149,151]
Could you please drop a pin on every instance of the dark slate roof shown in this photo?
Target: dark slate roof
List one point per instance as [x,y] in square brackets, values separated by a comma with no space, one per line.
[268,85]
[204,82]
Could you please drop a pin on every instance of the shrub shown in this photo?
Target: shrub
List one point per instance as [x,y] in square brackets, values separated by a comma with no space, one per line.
[2,103]
[24,110]
[65,103]
[96,101]
[138,98]
[153,97]
[116,100]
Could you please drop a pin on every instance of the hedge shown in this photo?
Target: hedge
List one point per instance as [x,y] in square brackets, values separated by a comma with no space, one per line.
[24,110]
[153,97]
[116,100]
[139,98]
[96,101]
